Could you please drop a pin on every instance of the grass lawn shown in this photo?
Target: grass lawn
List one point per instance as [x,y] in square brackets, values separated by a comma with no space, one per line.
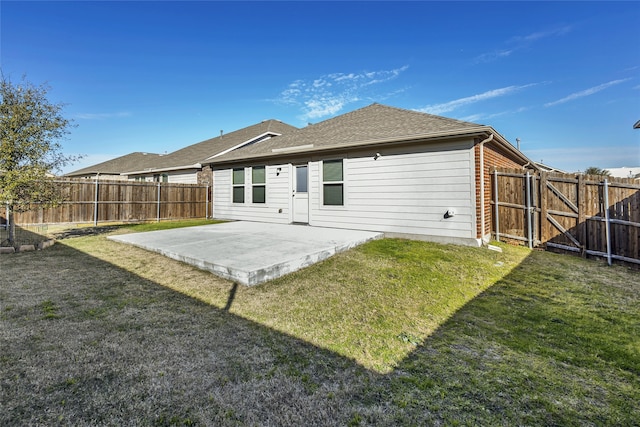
[395,332]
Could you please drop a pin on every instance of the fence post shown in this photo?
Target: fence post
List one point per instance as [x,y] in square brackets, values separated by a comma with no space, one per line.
[582,217]
[95,205]
[206,211]
[543,207]
[528,209]
[158,207]
[496,203]
[607,219]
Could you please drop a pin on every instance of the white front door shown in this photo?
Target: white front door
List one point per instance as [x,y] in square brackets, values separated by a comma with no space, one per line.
[301,194]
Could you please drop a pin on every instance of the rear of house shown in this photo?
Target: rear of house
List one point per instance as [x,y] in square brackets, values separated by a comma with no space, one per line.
[404,173]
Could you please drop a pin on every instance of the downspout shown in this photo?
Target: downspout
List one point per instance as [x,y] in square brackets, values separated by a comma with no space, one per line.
[482,214]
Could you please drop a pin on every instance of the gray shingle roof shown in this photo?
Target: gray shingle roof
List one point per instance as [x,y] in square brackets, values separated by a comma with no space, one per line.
[365,126]
[120,164]
[188,156]
[197,153]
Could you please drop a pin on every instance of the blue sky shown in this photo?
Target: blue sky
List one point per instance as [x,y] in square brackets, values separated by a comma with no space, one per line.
[156,76]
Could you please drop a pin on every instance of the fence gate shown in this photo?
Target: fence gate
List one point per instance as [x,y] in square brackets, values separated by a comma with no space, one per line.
[562,217]
[590,215]
[515,211]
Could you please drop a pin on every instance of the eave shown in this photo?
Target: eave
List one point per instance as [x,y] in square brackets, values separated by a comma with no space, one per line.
[285,152]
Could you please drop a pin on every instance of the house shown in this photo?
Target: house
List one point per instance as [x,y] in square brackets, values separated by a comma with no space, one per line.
[184,165]
[113,169]
[379,168]
[624,172]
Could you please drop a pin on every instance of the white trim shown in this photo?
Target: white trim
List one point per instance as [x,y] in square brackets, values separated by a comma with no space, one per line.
[289,149]
[293,189]
[321,183]
[242,144]
[244,187]
[262,184]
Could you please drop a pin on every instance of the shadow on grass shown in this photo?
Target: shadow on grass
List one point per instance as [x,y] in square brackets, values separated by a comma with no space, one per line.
[87,343]
[25,235]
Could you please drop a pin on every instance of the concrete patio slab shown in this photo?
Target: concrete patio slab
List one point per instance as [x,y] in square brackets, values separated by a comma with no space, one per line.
[249,252]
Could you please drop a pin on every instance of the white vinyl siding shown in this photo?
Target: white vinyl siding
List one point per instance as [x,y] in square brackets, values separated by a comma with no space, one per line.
[276,208]
[183,177]
[403,194]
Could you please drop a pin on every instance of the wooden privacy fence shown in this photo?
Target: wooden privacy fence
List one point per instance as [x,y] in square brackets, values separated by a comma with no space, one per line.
[590,215]
[123,201]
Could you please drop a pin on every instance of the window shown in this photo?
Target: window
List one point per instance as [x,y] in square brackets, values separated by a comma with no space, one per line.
[238,185]
[332,183]
[258,182]
[165,177]
[301,179]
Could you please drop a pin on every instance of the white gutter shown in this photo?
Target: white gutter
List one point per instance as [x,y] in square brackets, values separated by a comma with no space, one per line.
[482,216]
[153,170]
[290,149]
[366,143]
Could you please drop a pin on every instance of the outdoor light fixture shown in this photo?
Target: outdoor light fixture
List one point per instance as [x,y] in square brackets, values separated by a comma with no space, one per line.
[278,171]
[376,156]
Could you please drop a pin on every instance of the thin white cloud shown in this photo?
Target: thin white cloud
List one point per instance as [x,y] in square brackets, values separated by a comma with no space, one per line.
[586,92]
[487,57]
[477,117]
[521,42]
[559,31]
[329,94]
[455,104]
[102,116]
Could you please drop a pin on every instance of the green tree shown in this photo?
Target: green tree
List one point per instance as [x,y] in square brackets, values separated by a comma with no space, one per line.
[593,170]
[30,128]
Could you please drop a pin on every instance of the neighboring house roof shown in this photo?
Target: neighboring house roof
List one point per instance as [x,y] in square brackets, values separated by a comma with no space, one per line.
[118,165]
[624,172]
[371,125]
[194,155]
[546,168]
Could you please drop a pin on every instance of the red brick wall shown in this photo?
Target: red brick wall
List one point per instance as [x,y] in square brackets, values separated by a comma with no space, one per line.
[494,156]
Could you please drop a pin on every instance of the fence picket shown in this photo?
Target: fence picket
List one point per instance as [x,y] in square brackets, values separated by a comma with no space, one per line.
[89,201]
[568,212]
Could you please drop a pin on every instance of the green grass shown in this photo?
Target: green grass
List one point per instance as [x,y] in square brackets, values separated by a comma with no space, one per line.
[394,332]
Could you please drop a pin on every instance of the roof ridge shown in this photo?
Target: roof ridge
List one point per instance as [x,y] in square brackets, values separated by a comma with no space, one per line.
[435,116]
[398,109]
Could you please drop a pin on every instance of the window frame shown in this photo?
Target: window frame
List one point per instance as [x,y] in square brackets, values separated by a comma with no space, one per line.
[237,185]
[257,185]
[333,183]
